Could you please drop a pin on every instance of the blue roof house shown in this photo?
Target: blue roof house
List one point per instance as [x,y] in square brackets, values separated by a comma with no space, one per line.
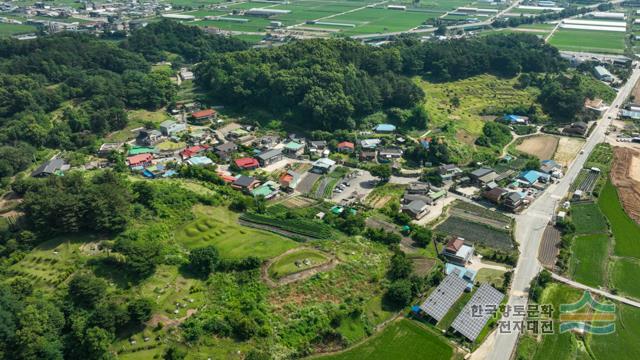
[385,128]
[515,119]
[532,176]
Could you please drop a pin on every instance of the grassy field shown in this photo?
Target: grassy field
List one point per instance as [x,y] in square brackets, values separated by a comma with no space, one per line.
[170,145]
[589,40]
[219,227]
[491,276]
[588,218]
[286,265]
[13,29]
[451,315]
[624,229]
[51,262]
[404,339]
[589,259]
[624,277]
[484,92]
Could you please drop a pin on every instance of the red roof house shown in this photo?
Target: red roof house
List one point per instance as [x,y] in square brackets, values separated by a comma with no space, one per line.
[192,151]
[346,146]
[139,160]
[247,163]
[203,115]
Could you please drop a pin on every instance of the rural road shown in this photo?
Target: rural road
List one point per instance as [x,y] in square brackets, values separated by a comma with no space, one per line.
[530,225]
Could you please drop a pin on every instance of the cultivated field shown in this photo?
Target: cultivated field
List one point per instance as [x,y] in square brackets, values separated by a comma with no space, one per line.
[549,247]
[588,218]
[585,181]
[623,344]
[479,214]
[381,195]
[589,41]
[567,149]
[219,227]
[625,231]
[13,29]
[625,276]
[589,260]
[400,340]
[625,176]
[476,233]
[541,146]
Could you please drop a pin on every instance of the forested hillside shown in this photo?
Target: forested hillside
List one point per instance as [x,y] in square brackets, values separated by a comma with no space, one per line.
[333,84]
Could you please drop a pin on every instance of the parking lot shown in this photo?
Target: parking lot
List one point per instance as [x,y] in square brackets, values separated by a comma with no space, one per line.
[361,184]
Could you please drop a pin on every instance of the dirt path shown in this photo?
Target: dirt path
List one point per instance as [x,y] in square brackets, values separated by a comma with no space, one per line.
[300,275]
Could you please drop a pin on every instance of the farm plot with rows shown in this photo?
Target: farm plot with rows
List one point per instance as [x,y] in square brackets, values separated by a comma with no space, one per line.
[586,181]
[479,214]
[549,247]
[378,20]
[475,232]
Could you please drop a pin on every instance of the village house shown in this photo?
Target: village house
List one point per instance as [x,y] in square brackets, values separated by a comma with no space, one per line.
[515,119]
[267,141]
[389,154]
[449,172]
[192,151]
[317,146]
[268,190]
[483,176]
[199,161]
[294,148]
[323,165]
[203,116]
[269,157]
[346,147]
[457,251]
[368,155]
[51,167]
[247,163]
[495,195]
[551,167]
[369,143]
[245,183]
[531,177]
[289,180]
[225,150]
[385,128]
[418,187]
[576,128]
[170,127]
[417,209]
[513,201]
[139,160]
[148,137]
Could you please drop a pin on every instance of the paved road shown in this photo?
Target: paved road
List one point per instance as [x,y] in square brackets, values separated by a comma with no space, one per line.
[577,285]
[530,228]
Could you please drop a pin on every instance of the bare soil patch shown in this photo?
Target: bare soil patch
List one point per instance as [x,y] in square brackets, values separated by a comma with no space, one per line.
[568,148]
[625,176]
[541,146]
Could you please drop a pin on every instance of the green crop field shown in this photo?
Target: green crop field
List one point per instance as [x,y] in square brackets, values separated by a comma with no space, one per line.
[376,20]
[404,339]
[588,219]
[609,42]
[624,229]
[255,24]
[219,227]
[589,259]
[623,344]
[624,277]
[286,265]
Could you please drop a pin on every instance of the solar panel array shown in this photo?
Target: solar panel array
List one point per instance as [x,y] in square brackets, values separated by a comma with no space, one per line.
[444,296]
[470,322]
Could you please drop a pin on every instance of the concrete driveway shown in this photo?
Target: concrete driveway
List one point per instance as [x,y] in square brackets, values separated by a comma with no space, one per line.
[361,186]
